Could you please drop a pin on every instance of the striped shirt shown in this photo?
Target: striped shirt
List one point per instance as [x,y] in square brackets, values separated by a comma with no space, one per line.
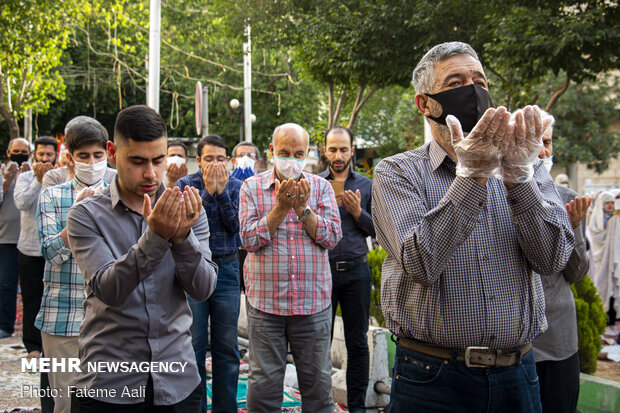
[288,274]
[63,293]
[460,255]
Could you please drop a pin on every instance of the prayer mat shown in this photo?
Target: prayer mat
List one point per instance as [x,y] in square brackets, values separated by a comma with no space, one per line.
[242,392]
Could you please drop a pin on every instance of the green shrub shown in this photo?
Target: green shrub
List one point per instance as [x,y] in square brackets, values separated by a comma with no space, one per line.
[591,321]
[375,261]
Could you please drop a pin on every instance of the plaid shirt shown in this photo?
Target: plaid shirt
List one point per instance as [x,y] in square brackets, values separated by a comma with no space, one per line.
[460,255]
[288,274]
[61,309]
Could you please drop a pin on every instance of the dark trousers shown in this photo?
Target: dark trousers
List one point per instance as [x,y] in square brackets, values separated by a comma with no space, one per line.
[351,289]
[422,383]
[8,286]
[559,384]
[191,404]
[31,282]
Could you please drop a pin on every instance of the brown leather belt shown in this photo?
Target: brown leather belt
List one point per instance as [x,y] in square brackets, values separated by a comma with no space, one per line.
[473,356]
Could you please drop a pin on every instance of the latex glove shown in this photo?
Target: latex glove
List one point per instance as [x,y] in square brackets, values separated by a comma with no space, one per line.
[520,151]
[478,153]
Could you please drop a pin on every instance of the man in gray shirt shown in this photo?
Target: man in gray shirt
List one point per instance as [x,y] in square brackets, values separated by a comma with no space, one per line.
[138,261]
[556,350]
[18,153]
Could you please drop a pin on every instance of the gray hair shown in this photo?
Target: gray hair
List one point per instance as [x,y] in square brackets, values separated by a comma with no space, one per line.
[244,143]
[424,72]
[289,126]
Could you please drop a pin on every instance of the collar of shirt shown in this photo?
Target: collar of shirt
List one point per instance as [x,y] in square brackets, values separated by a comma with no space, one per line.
[327,174]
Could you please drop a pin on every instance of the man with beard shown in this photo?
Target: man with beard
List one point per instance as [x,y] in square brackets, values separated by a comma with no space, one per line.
[351,278]
[464,221]
[18,153]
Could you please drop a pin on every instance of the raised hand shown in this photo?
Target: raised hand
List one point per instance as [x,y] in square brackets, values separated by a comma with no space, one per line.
[478,154]
[208,177]
[10,171]
[353,203]
[85,193]
[165,218]
[190,207]
[174,172]
[286,194]
[520,150]
[303,193]
[40,168]
[577,209]
[221,177]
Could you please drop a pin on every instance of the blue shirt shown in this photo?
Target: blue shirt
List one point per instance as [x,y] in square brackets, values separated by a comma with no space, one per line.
[354,233]
[222,213]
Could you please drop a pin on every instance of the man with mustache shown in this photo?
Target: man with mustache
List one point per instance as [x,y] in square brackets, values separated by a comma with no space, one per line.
[464,220]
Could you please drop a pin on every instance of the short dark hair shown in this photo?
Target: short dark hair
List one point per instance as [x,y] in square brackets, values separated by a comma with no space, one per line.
[83,130]
[139,123]
[180,144]
[340,129]
[244,143]
[46,140]
[213,140]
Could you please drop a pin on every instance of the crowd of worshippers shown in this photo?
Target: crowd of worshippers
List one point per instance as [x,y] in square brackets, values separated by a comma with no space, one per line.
[144,262]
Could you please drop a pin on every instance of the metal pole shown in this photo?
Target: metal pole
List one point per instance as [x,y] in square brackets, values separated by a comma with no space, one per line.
[241,123]
[28,125]
[152,94]
[247,85]
[204,112]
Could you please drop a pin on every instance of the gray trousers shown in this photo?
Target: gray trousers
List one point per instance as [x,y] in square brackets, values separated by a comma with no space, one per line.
[309,340]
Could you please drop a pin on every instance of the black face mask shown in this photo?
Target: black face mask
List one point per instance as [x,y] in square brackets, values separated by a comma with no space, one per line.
[466,103]
[19,158]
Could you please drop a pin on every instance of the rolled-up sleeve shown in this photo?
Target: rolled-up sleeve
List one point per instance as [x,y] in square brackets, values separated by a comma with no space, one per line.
[328,229]
[49,226]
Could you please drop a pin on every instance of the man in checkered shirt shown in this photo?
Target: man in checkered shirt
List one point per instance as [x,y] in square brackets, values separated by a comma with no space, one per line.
[289,219]
[464,220]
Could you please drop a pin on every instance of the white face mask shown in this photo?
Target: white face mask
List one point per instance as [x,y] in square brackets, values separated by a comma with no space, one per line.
[176,160]
[290,168]
[548,162]
[245,162]
[90,173]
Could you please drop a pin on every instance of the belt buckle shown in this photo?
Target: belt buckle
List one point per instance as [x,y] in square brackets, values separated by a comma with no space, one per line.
[468,356]
[338,268]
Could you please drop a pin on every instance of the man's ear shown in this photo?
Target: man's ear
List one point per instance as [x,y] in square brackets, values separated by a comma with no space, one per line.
[423,104]
[111,147]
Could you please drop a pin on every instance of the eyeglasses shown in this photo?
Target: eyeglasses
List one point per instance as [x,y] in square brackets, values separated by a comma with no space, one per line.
[210,159]
[250,154]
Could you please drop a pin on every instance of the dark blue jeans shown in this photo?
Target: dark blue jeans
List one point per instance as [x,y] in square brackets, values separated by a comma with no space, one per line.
[223,308]
[422,383]
[352,290]
[8,286]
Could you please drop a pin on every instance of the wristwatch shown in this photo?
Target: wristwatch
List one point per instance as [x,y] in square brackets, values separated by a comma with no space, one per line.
[304,214]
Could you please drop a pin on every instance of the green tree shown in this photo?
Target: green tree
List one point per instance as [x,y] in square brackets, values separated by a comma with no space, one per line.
[582,130]
[34,36]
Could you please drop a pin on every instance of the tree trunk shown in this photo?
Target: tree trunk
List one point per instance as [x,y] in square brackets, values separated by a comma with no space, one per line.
[330,104]
[11,121]
[359,102]
[557,94]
